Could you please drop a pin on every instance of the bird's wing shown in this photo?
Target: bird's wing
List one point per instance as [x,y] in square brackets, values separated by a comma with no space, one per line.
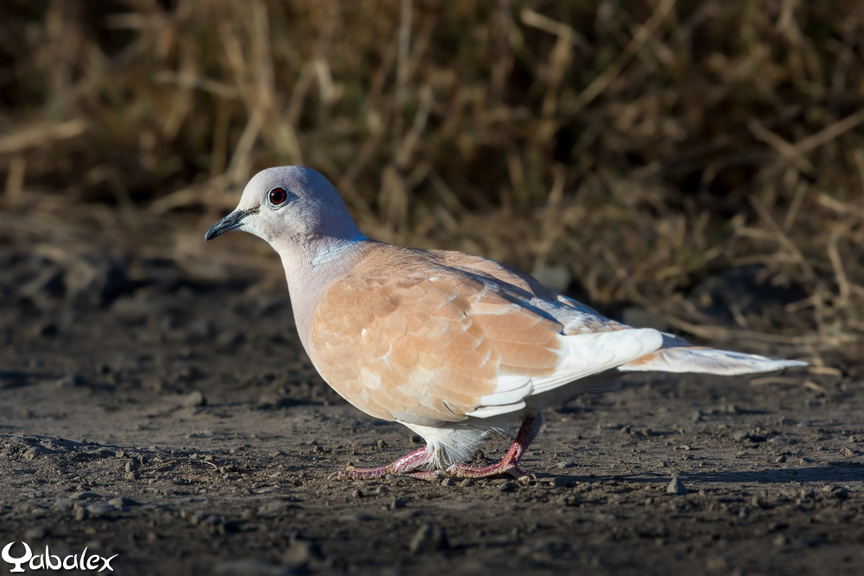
[426,344]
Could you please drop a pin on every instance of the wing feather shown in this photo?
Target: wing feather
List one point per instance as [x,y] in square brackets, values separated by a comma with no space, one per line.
[404,338]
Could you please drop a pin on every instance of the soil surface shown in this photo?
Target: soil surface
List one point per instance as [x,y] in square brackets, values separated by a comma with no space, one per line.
[177,424]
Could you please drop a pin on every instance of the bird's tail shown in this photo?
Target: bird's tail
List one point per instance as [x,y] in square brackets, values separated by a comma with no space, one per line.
[707,361]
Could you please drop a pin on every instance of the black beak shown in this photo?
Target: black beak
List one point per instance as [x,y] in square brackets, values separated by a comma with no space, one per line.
[230,222]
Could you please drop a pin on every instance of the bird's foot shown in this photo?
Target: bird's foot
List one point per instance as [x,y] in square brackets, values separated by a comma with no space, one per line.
[408,465]
[500,469]
[510,463]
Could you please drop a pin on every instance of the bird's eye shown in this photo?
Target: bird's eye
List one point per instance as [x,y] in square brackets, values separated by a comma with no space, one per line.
[277,196]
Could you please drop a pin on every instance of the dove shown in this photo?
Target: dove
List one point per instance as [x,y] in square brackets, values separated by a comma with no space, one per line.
[451,345]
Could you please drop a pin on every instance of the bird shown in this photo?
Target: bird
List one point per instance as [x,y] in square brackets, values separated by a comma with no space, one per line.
[451,345]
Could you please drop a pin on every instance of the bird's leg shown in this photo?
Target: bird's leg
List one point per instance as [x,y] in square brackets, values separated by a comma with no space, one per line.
[510,463]
[408,465]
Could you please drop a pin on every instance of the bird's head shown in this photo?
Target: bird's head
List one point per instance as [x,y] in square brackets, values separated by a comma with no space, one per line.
[289,206]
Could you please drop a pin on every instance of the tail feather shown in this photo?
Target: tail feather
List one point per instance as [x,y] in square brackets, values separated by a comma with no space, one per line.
[706,361]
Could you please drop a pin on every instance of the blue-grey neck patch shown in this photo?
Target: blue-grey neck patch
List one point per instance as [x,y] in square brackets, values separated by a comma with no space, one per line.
[334,251]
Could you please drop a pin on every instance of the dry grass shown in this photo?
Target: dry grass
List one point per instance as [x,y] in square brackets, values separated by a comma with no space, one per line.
[642,146]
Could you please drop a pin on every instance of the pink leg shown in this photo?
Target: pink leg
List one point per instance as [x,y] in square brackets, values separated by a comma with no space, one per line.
[406,465]
[510,463]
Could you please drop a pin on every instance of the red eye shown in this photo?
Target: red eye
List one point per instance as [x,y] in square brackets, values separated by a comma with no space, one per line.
[277,196]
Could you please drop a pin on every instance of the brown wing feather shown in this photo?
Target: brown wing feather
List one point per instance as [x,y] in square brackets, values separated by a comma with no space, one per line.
[425,344]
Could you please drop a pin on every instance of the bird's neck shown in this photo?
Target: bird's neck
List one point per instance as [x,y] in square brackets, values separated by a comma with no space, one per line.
[310,268]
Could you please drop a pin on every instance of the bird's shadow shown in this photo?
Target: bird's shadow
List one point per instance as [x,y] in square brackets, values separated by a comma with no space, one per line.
[832,472]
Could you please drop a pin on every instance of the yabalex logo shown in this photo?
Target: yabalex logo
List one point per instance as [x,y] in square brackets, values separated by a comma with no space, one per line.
[48,561]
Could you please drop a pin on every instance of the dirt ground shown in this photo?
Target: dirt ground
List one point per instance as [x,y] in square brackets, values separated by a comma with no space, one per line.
[177,423]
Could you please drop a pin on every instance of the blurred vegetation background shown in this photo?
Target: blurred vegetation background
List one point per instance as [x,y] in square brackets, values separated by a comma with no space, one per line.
[630,152]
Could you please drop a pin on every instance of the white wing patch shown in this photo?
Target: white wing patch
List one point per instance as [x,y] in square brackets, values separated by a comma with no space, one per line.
[582,355]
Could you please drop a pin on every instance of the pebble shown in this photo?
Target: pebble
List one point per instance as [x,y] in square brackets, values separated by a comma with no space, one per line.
[299,554]
[84,495]
[36,532]
[194,400]
[781,540]
[467,483]
[448,482]
[93,511]
[836,491]
[566,464]
[122,503]
[70,381]
[99,509]
[429,538]
[676,487]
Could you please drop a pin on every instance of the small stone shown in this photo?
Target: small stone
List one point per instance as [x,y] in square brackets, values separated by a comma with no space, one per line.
[836,491]
[122,503]
[429,538]
[84,495]
[194,400]
[132,465]
[70,381]
[99,509]
[467,483]
[563,482]
[212,520]
[676,487]
[397,503]
[36,533]
[448,482]
[566,464]
[781,540]
[509,486]
[299,554]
